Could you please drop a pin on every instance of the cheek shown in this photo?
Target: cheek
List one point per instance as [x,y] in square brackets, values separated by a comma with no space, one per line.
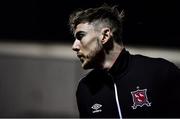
[91,42]
[91,45]
[95,48]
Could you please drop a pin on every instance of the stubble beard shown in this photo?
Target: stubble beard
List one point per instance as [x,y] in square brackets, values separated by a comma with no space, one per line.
[94,58]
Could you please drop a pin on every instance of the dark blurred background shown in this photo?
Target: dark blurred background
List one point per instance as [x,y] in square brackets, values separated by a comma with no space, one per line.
[147,22]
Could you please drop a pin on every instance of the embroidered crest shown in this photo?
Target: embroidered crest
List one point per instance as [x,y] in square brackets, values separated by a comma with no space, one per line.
[96,108]
[140,98]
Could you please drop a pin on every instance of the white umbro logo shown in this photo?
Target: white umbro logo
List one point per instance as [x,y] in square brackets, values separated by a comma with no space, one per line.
[96,108]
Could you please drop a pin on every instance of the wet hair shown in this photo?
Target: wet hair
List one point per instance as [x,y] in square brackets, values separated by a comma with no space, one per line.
[104,15]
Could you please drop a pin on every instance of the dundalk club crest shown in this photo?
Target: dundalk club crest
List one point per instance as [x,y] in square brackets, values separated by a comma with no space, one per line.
[140,98]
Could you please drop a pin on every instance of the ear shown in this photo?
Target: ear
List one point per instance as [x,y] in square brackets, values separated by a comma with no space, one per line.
[106,33]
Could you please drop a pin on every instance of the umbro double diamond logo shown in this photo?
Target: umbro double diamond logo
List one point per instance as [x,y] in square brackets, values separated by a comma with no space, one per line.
[96,108]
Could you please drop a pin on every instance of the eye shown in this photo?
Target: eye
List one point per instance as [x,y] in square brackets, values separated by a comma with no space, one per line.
[80,35]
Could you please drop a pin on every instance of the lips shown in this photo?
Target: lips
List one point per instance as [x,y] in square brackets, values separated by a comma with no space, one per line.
[80,56]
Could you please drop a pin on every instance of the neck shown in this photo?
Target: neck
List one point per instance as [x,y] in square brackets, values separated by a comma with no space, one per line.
[112,55]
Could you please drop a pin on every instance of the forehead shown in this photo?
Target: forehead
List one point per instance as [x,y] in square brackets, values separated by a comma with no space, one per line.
[84,27]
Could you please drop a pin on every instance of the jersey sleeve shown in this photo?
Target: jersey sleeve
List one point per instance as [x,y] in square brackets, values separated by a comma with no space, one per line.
[174,91]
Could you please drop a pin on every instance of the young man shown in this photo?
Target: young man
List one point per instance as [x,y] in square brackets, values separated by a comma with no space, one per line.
[120,85]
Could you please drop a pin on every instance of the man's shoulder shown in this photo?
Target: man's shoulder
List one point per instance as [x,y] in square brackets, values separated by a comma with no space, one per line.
[153,64]
[143,59]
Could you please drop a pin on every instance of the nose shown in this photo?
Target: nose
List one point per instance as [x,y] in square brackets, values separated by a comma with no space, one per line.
[76,45]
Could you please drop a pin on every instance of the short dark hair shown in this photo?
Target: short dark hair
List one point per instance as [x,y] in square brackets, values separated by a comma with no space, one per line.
[110,16]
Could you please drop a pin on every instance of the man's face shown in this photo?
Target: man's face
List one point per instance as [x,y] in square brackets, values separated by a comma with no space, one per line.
[87,45]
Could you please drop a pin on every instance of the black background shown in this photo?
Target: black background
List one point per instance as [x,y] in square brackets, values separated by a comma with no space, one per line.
[147,22]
